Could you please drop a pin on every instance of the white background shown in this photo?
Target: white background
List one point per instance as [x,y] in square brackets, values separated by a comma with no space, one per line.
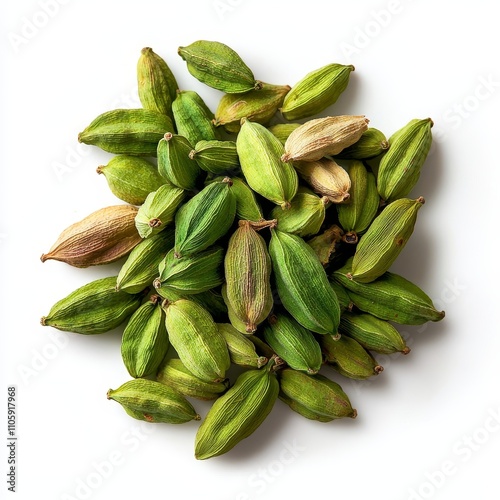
[426,426]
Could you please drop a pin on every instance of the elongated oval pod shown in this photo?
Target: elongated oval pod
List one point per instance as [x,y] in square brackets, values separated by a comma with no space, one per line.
[302,283]
[238,413]
[151,401]
[372,143]
[92,308]
[283,130]
[247,207]
[241,349]
[216,157]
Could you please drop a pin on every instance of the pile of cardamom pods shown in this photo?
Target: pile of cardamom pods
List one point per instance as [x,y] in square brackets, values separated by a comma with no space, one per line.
[256,239]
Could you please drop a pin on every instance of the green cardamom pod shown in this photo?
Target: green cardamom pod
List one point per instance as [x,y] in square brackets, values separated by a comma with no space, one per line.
[127,131]
[247,207]
[372,143]
[151,401]
[145,339]
[241,349]
[92,308]
[311,301]
[260,152]
[325,244]
[343,297]
[216,157]
[195,337]
[235,321]
[218,66]
[383,241]
[238,413]
[283,130]
[316,91]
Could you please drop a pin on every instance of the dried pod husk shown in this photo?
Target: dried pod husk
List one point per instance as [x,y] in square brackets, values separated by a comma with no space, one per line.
[174,163]
[390,297]
[238,413]
[316,91]
[383,241]
[311,301]
[256,105]
[158,211]
[324,137]
[399,168]
[348,357]
[324,244]
[131,178]
[359,211]
[260,152]
[205,218]
[216,157]
[151,401]
[372,333]
[218,66]
[372,143]
[306,215]
[315,397]
[156,83]
[92,308]
[145,339]
[192,274]
[247,267]
[193,117]
[175,375]
[292,343]
[283,130]
[195,337]
[241,349]
[327,178]
[133,132]
[104,236]
[141,266]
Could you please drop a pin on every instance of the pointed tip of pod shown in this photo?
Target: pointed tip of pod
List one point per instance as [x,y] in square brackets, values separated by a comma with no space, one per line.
[250,327]
[197,417]
[286,157]
[80,137]
[108,394]
[157,283]
[258,85]
[421,200]
[44,257]
[42,320]
[192,154]
[168,136]
[406,350]
[99,169]
[261,361]
[354,413]
[352,67]
[286,205]
[146,50]
[378,369]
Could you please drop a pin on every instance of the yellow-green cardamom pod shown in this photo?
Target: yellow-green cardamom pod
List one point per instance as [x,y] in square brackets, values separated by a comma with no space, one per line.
[92,308]
[151,401]
[315,397]
[247,268]
[235,321]
[241,349]
[325,244]
[216,157]
[238,413]
[260,158]
[283,130]
[316,91]
[247,207]
[145,339]
[218,66]
[256,105]
[400,167]
[372,143]
[311,301]
[127,131]
[158,210]
[195,337]
[383,241]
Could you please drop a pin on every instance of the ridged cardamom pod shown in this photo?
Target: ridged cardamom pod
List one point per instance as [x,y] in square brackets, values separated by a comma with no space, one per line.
[174,162]
[158,210]
[195,337]
[127,131]
[247,268]
[293,343]
[343,297]
[193,273]
[193,117]
[372,143]
[151,401]
[241,349]
[247,207]
[205,218]
[311,301]
[325,244]
[348,357]
[400,167]
[324,136]
[283,130]
[235,321]
[156,83]
[383,241]
[372,333]
[145,339]
[104,236]
[390,297]
[315,397]
[216,157]
[316,91]
[327,178]
[256,105]
[218,66]
[92,308]
[141,266]
[260,152]
[238,413]
[131,178]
